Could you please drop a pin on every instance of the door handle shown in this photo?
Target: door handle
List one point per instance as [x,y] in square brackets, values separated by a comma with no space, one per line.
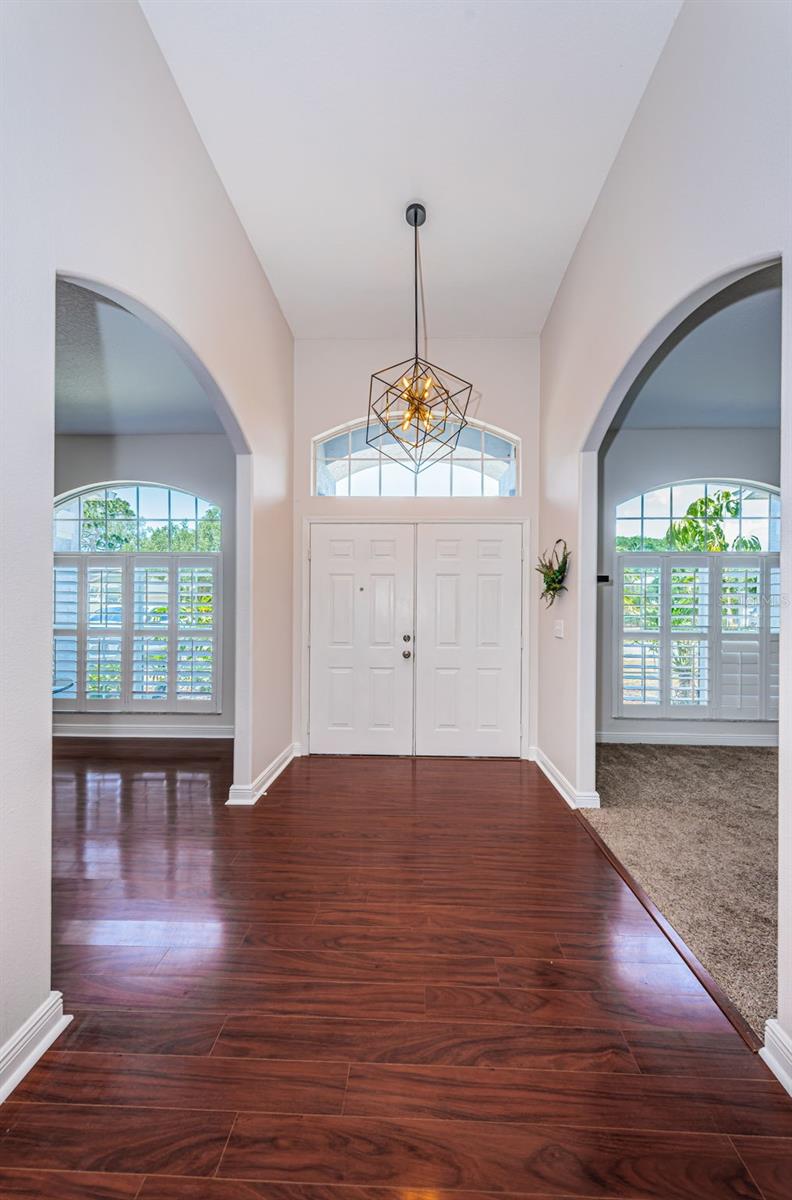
[406,654]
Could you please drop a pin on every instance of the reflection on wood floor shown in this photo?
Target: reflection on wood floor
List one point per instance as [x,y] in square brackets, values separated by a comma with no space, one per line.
[391,978]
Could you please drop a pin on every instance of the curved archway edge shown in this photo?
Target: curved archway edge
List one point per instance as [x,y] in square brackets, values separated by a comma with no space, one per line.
[588,508]
[160,325]
[244,503]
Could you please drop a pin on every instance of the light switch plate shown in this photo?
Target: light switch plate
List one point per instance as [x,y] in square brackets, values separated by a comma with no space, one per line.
[558,629]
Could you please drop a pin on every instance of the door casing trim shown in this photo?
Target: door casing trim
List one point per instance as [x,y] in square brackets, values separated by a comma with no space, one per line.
[301,735]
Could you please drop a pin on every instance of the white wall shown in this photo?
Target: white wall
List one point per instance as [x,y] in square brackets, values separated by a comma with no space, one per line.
[108,181]
[331,388]
[700,189]
[635,461]
[197,462]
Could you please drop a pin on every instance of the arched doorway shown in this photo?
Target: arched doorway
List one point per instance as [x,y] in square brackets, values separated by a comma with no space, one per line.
[111,322]
[692,310]
[687,611]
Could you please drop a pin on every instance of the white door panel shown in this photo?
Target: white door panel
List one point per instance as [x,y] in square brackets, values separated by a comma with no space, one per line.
[362,587]
[468,640]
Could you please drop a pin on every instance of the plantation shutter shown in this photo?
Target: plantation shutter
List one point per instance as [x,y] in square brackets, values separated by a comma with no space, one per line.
[696,636]
[773,630]
[196,662]
[740,673]
[65,624]
[639,636]
[686,620]
[136,633]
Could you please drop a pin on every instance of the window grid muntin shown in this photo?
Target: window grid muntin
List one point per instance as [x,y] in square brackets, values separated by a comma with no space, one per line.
[95,530]
[647,525]
[339,465]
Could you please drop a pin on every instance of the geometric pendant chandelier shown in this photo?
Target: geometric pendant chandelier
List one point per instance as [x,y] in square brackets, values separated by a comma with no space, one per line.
[416,409]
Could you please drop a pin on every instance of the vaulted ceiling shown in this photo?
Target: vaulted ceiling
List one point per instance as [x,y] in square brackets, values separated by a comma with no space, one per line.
[325,118]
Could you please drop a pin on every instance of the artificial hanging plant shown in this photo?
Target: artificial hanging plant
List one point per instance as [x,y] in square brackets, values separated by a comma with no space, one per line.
[553,568]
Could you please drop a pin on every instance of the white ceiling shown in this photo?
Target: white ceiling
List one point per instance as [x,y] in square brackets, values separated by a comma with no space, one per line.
[725,373]
[115,375]
[325,118]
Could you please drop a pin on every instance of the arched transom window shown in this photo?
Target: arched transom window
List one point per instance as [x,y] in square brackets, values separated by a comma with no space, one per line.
[706,514]
[483,464]
[698,602]
[136,516]
[136,600]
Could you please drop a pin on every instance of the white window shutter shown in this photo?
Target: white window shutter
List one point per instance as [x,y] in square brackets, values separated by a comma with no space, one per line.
[696,636]
[773,627]
[136,632]
[740,666]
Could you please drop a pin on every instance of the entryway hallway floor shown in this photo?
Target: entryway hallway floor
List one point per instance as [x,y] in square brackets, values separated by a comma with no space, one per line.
[393,977]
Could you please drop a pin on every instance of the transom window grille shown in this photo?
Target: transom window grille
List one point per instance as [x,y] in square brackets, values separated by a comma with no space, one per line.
[697,635]
[483,464]
[700,515]
[136,632]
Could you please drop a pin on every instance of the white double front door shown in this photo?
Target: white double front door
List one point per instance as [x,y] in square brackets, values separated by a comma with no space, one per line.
[415,642]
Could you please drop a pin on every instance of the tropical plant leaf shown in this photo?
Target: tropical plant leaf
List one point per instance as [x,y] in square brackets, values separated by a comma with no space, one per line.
[553,568]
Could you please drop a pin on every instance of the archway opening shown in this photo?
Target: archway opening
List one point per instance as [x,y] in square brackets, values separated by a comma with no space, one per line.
[150,603]
[688,615]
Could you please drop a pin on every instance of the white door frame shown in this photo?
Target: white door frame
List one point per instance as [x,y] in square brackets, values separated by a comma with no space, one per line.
[302,735]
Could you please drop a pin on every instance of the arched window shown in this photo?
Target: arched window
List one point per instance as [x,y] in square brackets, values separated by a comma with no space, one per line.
[125,517]
[136,600]
[698,602]
[704,514]
[483,464]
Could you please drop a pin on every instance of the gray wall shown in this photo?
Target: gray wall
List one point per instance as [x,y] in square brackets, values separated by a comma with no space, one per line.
[199,463]
[636,461]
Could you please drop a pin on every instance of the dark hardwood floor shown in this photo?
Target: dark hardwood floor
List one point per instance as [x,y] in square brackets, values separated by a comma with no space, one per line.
[392,980]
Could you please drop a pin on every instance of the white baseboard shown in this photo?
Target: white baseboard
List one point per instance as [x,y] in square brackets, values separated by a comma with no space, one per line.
[690,739]
[150,730]
[777,1053]
[24,1048]
[299,750]
[573,797]
[242,793]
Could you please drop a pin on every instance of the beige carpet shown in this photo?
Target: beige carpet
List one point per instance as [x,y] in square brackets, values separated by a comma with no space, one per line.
[697,826]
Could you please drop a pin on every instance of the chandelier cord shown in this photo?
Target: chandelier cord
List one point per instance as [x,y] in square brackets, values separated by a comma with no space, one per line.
[419,407]
[415,285]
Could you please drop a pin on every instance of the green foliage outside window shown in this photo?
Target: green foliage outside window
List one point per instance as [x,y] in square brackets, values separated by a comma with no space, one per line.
[112,525]
[700,530]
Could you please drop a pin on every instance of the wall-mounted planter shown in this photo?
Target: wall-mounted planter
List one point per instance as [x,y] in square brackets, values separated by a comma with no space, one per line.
[553,568]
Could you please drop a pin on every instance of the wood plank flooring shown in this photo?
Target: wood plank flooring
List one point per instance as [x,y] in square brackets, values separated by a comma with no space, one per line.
[392,979]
